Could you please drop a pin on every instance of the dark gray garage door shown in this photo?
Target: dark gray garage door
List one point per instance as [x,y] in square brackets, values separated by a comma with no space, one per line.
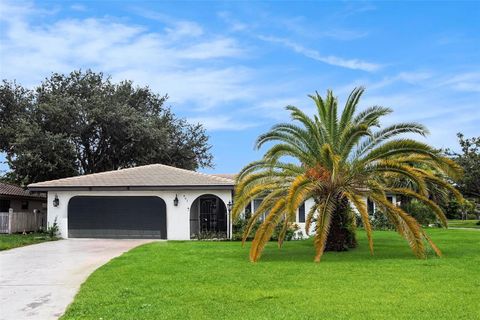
[117,217]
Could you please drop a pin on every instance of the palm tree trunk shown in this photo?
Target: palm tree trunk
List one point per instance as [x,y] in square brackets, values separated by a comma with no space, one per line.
[342,236]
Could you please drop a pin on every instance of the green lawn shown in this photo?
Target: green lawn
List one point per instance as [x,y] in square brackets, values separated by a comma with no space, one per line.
[10,241]
[214,280]
[463,224]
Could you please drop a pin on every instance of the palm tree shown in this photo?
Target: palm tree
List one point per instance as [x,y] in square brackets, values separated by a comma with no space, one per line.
[339,160]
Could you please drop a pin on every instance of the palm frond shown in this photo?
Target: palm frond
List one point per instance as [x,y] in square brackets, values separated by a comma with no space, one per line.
[323,226]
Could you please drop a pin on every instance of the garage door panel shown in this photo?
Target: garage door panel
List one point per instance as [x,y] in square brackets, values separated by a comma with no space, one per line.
[117,217]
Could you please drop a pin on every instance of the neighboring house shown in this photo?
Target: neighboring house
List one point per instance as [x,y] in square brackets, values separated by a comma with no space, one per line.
[21,210]
[153,201]
[15,198]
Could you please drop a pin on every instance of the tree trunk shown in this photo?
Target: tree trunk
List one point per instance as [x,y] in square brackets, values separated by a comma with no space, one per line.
[342,236]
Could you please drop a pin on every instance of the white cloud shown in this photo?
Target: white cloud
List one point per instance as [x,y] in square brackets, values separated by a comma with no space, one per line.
[183,60]
[232,23]
[469,81]
[343,34]
[197,89]
[328,59]
[78,7]
[205,75]
[174,26]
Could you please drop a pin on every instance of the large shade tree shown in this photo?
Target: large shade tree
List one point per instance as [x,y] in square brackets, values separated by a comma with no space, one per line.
[82,123]
[339,159]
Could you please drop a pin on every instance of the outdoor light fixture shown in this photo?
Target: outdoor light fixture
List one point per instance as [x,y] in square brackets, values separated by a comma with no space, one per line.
[229,206]
[175,201]
[56,202]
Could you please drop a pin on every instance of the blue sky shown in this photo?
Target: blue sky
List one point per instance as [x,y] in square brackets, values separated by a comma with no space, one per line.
[234,66]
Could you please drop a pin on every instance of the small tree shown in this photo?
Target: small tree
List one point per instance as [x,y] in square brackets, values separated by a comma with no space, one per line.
[338,158]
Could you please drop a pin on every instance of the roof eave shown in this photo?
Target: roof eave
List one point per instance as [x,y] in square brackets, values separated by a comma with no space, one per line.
[131,188]
[13,196]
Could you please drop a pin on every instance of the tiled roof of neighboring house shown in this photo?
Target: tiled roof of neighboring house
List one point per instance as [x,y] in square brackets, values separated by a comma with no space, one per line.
[149,176]
[16,191]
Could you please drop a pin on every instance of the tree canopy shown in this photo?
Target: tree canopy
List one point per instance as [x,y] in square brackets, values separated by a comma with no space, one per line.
[84,123]
[469,159]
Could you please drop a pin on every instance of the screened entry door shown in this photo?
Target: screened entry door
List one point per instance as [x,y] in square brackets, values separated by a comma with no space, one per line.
[208,214]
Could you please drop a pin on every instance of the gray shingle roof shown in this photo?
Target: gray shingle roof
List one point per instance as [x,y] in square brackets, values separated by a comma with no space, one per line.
[154,176]
[11,190]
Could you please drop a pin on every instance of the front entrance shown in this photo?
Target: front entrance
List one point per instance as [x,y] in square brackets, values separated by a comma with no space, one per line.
[208,216]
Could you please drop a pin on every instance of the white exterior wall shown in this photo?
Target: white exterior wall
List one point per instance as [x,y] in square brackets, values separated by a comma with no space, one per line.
[178,217]
[394,201]
[309,203]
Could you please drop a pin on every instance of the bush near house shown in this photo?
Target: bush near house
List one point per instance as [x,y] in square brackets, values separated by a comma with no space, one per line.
[420,212]
[240,226]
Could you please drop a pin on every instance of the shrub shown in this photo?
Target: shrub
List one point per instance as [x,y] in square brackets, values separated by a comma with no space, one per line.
[381,222]
[52,231]
[241,224]
[211,235]
[420,212]
[239,227]
[289,235]
[416,209]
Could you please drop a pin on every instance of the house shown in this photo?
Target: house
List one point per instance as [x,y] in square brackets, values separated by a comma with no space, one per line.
[152,201]
[21,210]
[17,199]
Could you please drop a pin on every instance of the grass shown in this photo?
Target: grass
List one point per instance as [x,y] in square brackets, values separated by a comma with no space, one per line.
[215,280]
[10,241]
[464,224]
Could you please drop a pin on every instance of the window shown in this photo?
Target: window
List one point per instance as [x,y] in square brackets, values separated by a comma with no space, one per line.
[370,207]
[4,205]
[256,204]
[390,198]
[301,213]
[25,205]
[248,211]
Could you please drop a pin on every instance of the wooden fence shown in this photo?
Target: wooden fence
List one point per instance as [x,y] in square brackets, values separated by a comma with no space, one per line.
[13,222]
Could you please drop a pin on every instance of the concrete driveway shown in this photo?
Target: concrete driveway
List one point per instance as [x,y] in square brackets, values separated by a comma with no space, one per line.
[40,281]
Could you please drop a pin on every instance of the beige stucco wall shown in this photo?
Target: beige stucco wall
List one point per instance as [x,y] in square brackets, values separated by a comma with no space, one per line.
[16,205]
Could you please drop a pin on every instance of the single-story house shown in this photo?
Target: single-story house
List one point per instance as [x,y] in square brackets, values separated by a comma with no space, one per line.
[15,198]
[21,210]
[152,201]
